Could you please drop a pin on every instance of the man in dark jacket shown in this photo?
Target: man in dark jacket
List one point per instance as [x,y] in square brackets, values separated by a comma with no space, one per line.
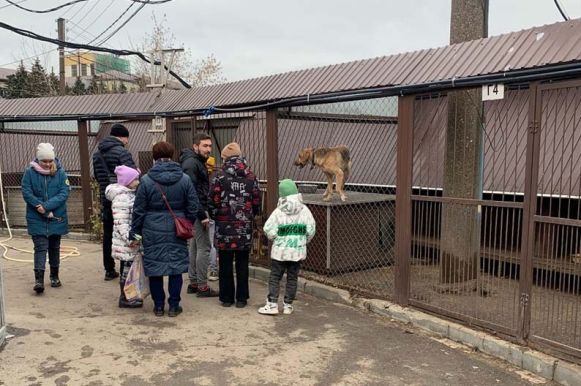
[110,153]
[194,165]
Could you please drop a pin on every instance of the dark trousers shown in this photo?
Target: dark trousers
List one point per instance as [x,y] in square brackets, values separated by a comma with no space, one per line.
[44,244]
[277,269]
[229,292]
[124,267]
[174,287]
[107,218]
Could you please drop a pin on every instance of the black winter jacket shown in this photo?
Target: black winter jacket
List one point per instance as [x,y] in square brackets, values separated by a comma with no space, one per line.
[234,201]
[195,167]
[110,153]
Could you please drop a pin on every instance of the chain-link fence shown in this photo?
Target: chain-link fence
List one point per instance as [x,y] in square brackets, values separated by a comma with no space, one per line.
[18,149]
[468,186]
[494,193]
[555,312]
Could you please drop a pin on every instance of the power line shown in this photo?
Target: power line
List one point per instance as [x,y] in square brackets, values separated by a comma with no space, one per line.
[112,24]
[89,12]
[33,35]
[10,5]
[46,10]
[561,10]
[122,25]
[76,12]
[28,58]
[99,15]
[151,2]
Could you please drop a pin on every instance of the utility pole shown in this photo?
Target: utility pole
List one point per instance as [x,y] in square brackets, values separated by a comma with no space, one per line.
[61,36]
[463,163]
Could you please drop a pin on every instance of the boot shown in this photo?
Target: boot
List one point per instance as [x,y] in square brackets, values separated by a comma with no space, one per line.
[54,277]
[123,302]
[39,281]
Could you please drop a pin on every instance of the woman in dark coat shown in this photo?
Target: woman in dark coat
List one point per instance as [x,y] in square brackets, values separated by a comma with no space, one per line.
[234,201]
[45,188]
[152,224]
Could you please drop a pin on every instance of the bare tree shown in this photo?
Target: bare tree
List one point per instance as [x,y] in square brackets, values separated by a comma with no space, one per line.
[202,72]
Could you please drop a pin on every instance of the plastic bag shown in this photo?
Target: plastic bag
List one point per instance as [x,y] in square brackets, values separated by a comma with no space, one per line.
[136,284]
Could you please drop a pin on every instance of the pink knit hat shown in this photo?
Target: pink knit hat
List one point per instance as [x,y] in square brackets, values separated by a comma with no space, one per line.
[126,175]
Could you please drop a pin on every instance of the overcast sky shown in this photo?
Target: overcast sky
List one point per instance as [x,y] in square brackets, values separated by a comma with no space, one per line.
[253,38]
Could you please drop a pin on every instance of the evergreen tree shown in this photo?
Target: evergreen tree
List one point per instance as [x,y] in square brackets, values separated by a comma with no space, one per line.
[38,83]
[17,84]
[93,86]
[103,87]
[54,83]
[79,87]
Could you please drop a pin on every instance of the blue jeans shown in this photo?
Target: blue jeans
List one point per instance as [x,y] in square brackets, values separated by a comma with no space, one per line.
[44,244]
[174,287]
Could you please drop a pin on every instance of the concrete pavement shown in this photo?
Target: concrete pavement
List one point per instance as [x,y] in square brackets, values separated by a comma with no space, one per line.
[76,335]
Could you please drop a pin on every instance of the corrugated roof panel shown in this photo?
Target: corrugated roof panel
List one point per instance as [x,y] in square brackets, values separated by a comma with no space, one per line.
[526,50]
[514,44]
[407,67]
[559,51]
[552,44]
[306,86]
[368,68]
[572,49]
[321,80]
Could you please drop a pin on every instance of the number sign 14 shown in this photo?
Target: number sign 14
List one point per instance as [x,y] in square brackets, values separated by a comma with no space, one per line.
[492,92]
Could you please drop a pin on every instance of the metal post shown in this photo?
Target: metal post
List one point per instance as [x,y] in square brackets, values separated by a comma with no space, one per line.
[403,201]
[61,37]
[530,207]
[271,160]
[171,137]
[83,134]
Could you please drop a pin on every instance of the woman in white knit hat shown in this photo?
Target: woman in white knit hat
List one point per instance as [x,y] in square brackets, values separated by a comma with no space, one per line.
[45,188]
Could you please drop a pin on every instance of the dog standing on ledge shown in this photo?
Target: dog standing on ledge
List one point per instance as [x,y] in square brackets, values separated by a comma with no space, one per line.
[333,161]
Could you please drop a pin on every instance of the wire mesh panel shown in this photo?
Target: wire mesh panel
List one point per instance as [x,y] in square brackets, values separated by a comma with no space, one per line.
[468,184]
[353,246]
[555,302]
[18,149]
[249,130]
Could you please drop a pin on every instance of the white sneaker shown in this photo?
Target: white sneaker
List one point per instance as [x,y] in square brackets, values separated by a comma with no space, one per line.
[269,309]
[288,309]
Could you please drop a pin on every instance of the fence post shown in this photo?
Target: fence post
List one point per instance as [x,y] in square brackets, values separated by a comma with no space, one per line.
[271,160]
[529,210]
[403,201]
[83,135]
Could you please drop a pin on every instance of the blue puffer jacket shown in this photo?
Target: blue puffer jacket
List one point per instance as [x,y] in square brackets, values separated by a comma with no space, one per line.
[164,254]
[52,193]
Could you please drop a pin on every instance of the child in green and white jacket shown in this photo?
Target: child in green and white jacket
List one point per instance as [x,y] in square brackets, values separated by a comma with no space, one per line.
[291,226]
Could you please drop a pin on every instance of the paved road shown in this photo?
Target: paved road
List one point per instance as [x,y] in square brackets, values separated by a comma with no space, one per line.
[75,335]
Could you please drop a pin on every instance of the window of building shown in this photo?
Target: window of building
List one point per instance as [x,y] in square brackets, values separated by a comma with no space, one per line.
[83,69]
[93,73]
[74,71]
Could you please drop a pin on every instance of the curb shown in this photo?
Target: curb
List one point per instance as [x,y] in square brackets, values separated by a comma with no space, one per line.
[553,369]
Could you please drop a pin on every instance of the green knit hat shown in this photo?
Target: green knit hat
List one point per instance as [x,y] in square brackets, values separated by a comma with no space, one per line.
[287,187]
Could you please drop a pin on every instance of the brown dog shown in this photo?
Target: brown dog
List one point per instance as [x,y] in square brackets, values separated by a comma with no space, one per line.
[333,161]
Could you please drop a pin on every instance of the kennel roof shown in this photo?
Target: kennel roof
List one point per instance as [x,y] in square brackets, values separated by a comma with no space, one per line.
[545,48]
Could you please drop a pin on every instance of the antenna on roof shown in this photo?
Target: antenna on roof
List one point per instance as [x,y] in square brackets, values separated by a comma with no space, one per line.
[162,61]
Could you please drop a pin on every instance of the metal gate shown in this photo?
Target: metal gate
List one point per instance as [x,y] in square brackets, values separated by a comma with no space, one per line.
[553,266]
